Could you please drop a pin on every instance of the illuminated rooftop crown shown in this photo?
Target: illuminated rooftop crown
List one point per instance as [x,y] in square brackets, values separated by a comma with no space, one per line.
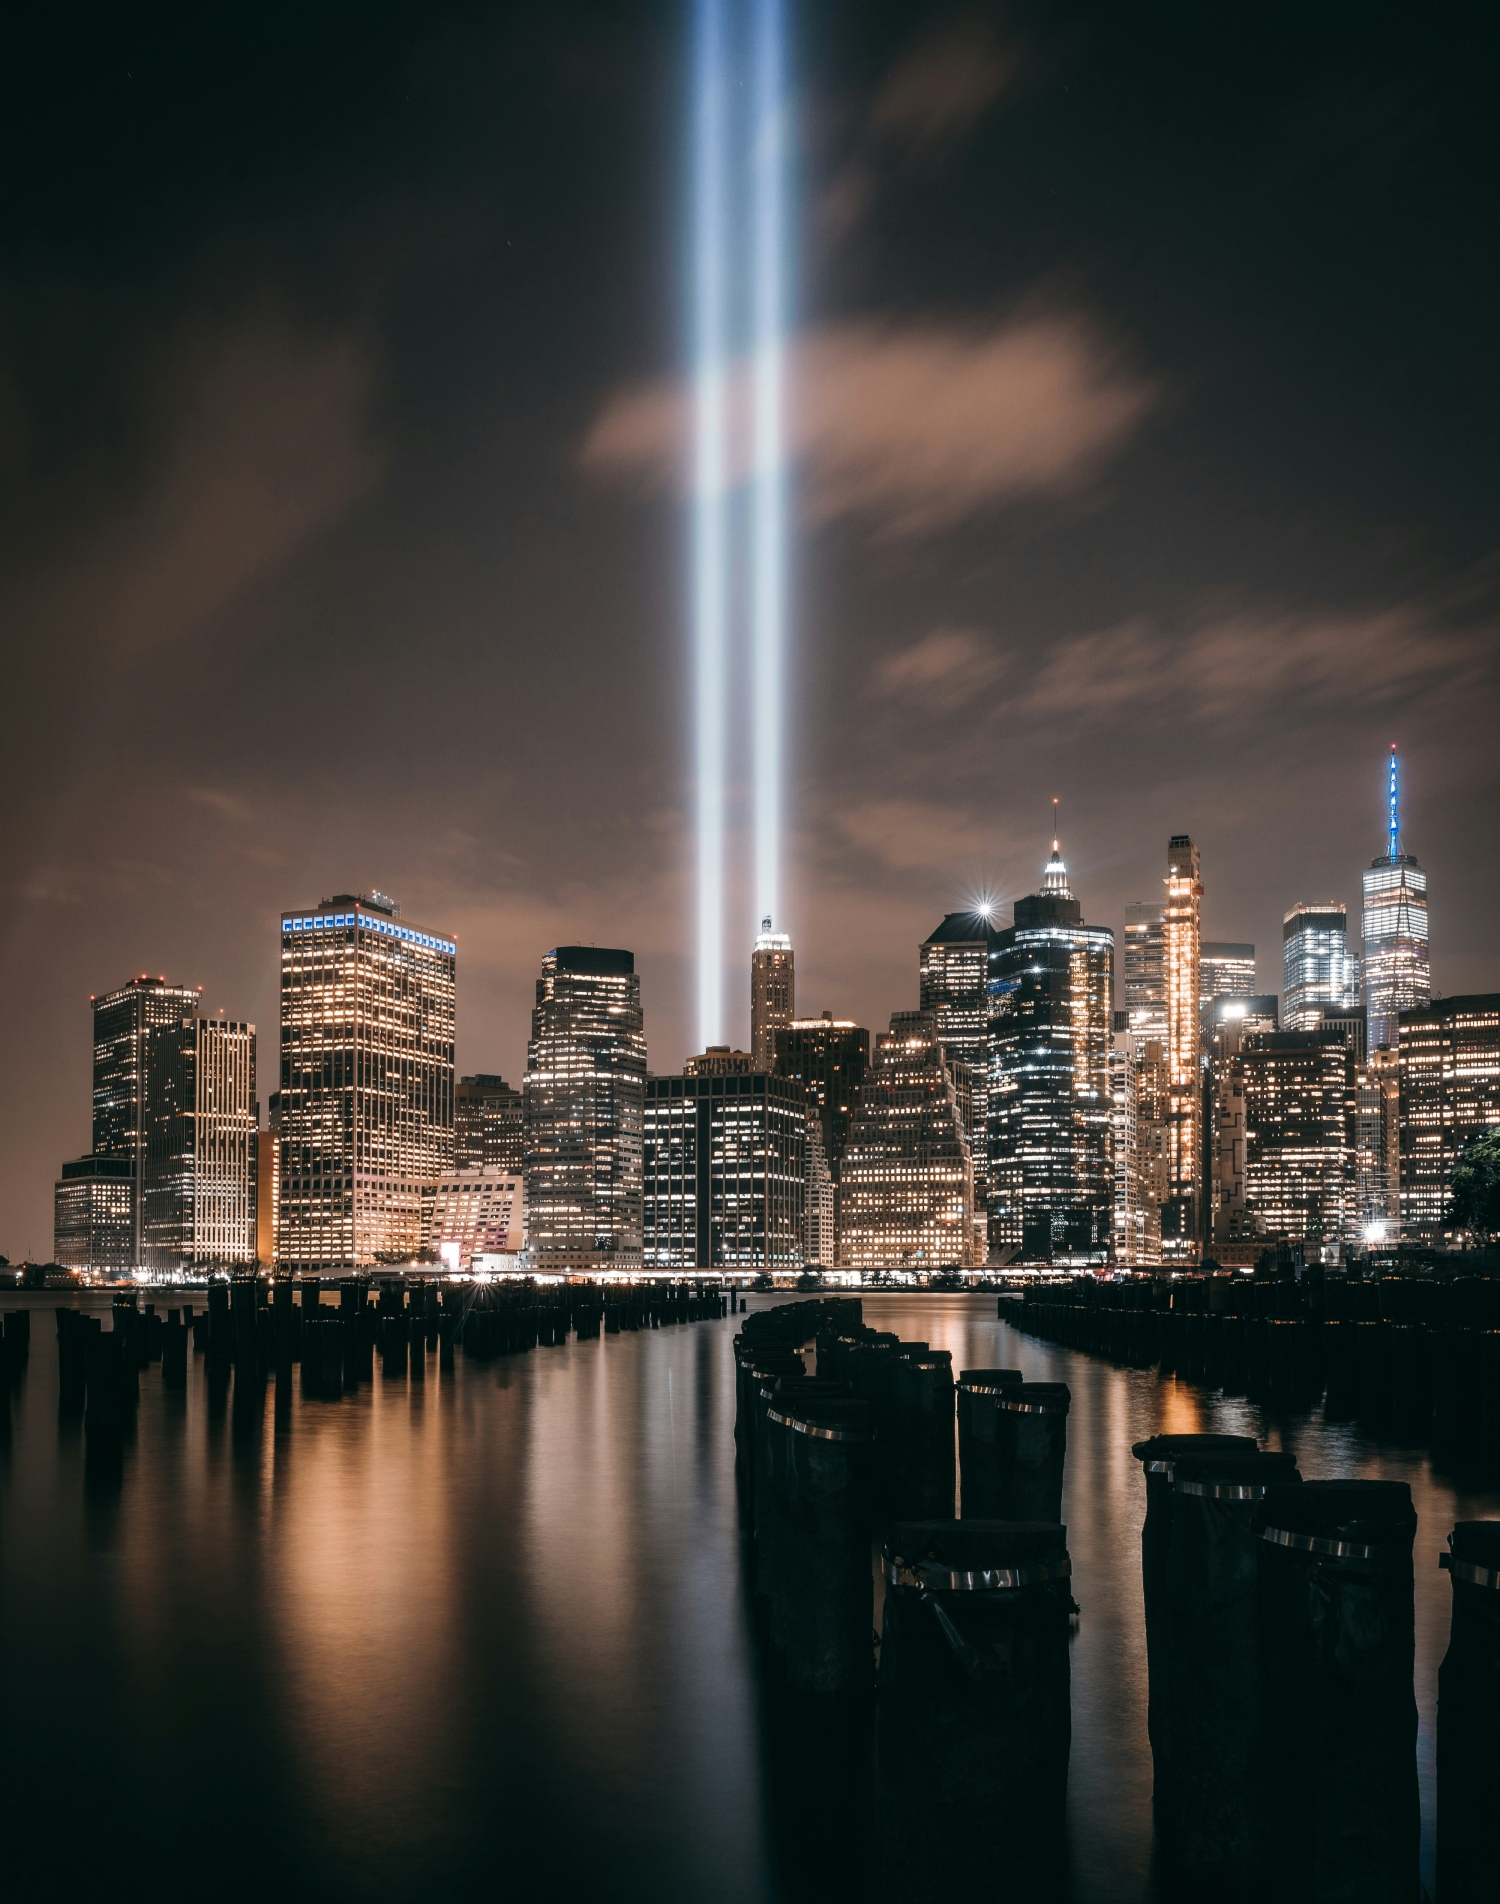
[1055,878]
[769,941]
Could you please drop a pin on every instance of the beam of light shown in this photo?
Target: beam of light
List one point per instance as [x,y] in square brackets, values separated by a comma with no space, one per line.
[709,513]
[768,494]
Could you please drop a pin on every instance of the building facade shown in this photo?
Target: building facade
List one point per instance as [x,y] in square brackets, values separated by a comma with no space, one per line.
[268,1187]
[955,967]
[1377,1146]
[1137,1206]
[1299,1092]
[1318,971]
[199,1184]
[480,1209]
[486,1124]
[1182,1211]
[828,1057]
[1448,1054]
[1225,970]
[93,1215]
[1397,975]
[906,1186]
[725,1172]
[124,1021]
[773,993]
[1050,1099]
[584,1107]
[1143,961]
[367,1079]
[820,1209]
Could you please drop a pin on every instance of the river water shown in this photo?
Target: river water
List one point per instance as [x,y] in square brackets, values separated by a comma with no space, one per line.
[489,1630]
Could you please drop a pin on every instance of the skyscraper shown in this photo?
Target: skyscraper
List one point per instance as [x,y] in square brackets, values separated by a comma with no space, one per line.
[93,1209]
[828,1057]
[1137,1205]
[725,1172]
[584,1101]
[1050,1103]
[1377,1146]
[480,1209]
[906,1189]
[123,1023]
[956,965]
[1318,970]
[773,993]
[1299,1137]
[1225,970]
[199,1185]
[367,1024]
[1144,960]
[268,1186]
[1397,975]
[1449,1056]
[487,1124]
[1181,952]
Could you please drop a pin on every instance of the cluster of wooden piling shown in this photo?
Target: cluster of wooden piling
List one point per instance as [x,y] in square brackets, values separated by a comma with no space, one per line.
[971,1695]
[255,1327]
[1416,1361]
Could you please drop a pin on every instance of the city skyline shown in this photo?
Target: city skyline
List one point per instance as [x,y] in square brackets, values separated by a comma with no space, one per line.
[1080,504]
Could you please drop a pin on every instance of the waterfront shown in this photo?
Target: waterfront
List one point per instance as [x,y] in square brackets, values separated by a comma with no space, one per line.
[443,1637]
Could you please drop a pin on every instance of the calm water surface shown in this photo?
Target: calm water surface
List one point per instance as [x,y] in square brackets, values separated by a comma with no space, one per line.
[448,1638]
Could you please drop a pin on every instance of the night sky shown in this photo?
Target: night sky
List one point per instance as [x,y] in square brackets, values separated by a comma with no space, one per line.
[1146,418]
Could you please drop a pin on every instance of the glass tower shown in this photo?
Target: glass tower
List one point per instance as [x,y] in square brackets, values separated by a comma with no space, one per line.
[584,1100]
[1318,971]
[1397,975]
[1300,1133]
[828,1057]
[487,1124]
[1449,1066]
[725,1171]
[955,969]
[367,1022]
[1182,973]
[1226,970]
[199,1186]
[773,993]
[1050,1100]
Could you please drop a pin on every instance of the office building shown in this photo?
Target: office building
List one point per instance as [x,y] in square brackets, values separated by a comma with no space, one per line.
[1137,1206]
[1228,1225]
[1377,1147]
[1319,972]
[1050,1100]
[93,1215]
[1143,958]
[1181,1214]
[123,1023]
[199,1183]
[828,1057]
[724,1172]
[268,1186]
[478,1210]
[367,1080]
[487,1124]
[906,1185]
[1397,977]
[1299,1089]
[584,1104]
[773,993]
[955,967]
[1448,1054]
[820,1207]
[1225,970]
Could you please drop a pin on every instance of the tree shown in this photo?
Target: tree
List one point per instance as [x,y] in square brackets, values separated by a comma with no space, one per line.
[1475,1184]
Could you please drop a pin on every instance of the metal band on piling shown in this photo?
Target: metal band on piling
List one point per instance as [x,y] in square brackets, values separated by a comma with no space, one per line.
[1318,1544]
[1028,1408]
[1224,1491]
[810,1428]
[1469,1573]
[901,1573]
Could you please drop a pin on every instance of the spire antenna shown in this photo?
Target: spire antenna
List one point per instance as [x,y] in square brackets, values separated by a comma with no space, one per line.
[1394,824]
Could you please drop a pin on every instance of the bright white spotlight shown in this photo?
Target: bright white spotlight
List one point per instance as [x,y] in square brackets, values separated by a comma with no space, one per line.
[709,588]
[768,498]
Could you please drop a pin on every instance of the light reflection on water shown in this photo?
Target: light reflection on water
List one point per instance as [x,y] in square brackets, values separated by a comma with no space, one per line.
[446,1638]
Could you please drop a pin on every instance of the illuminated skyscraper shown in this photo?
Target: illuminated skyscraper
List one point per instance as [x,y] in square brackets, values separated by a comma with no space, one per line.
[123,1023]
[584,1100]
[1050,1102]
[1397,975]
[1137,1206]
[268,1186]
[1319,972]
[1144,961]
[1449,1057]
[1181,952]
[828,1057]
[1225,970]
[480,1209]
[487,1124]
[956,964]
[906,1188]
[1299,1091]
[773,993]
[719,1061]
[819,1220]
[725,1172]
[367,1023]
[1377,1146]
[199,1187]
[93,1208]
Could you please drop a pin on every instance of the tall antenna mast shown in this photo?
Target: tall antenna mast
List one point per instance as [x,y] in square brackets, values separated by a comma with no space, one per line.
[1395,816]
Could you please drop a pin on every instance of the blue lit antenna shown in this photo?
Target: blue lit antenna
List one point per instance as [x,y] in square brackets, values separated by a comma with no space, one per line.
[1395,819]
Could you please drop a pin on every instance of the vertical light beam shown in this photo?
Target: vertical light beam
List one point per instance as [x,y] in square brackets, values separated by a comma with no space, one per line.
[709,553]
[768,503]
